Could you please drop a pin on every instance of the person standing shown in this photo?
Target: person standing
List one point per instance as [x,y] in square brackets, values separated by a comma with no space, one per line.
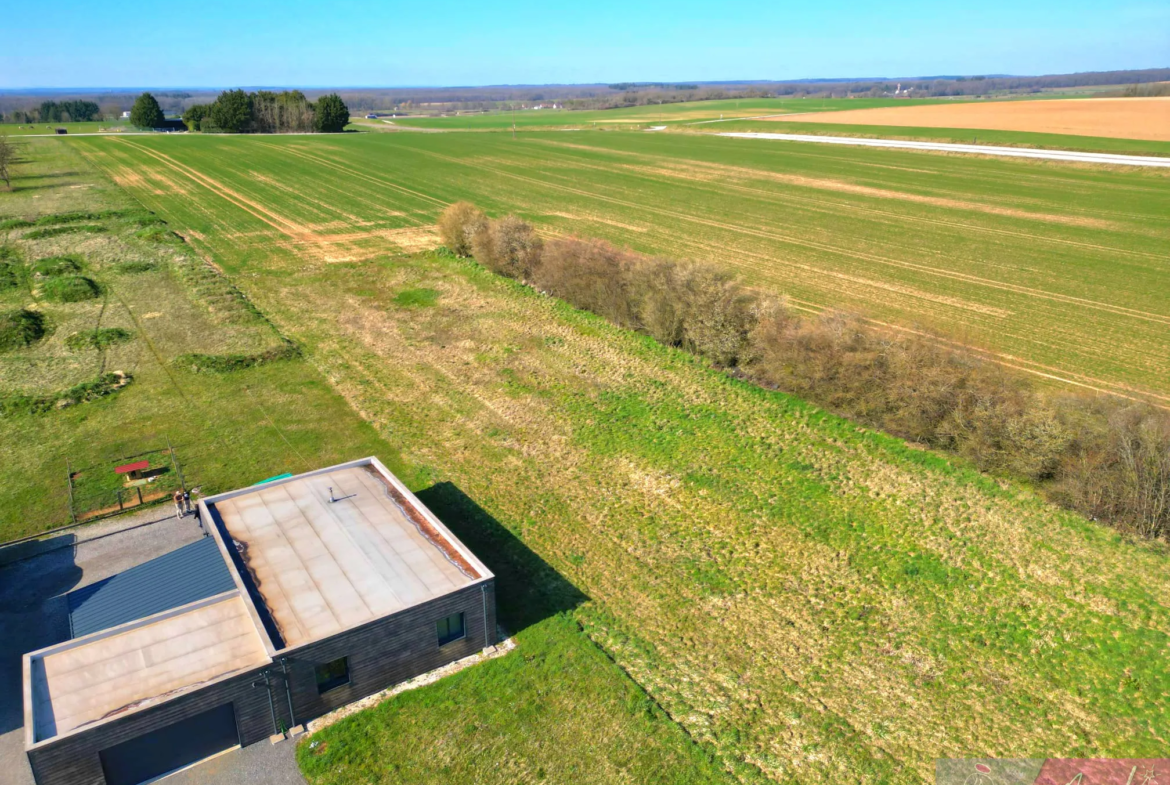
[178,500]
[187,501]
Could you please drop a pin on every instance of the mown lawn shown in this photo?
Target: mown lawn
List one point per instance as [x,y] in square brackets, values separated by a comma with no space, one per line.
[549,712]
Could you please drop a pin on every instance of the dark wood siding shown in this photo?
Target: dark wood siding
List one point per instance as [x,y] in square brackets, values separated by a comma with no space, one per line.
[73,760]
[391,650]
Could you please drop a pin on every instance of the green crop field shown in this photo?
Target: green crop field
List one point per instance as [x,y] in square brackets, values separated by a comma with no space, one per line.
[1053,268]
[807,600]
[688,112]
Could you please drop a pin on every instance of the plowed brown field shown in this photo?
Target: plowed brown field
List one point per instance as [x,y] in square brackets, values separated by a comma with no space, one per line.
[1118,118]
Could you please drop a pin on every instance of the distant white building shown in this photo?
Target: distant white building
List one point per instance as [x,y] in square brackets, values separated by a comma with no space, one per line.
[125,115]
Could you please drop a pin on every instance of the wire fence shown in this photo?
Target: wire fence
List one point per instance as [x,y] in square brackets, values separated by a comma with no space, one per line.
[125,483]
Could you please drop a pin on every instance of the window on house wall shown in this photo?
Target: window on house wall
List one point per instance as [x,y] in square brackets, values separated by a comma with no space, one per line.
[332,675]
[451,628]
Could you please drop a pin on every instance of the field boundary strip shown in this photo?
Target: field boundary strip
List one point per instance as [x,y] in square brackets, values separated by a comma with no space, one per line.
[977,149]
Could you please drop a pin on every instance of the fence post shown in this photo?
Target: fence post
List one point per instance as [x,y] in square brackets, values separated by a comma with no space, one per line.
[69,479]
[175,463]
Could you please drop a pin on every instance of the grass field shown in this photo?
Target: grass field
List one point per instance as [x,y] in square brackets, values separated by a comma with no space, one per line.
[1052,268]
[235,428]
[97,126]
[231,429]
[1119,118]
[660,114]
[810,601]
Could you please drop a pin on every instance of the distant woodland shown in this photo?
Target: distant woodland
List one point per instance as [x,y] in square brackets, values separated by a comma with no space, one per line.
[58,112]
[286,110]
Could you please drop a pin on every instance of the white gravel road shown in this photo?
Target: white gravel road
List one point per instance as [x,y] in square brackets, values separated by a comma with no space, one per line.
[979,149]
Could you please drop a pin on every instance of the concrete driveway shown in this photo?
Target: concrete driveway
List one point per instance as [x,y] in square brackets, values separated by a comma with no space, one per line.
[33,581]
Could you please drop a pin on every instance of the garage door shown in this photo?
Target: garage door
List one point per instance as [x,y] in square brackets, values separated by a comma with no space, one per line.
[173,747]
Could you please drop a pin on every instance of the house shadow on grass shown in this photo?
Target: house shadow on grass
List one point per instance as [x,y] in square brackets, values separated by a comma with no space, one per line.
[528,589]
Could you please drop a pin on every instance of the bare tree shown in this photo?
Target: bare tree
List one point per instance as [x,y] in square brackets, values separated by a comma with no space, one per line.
[7,157]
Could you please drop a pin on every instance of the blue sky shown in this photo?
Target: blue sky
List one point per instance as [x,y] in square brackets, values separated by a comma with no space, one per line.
[224,43]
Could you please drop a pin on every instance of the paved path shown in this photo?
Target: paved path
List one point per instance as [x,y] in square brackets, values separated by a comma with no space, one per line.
[978,149]
[33,610]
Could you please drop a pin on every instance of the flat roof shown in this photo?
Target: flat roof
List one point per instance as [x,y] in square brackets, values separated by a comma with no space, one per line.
[321,561]
[304,563]
[135,665]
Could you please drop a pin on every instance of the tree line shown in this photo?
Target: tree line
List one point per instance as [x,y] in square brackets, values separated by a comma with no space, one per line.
[1104,457]
[58,112]
[240,112]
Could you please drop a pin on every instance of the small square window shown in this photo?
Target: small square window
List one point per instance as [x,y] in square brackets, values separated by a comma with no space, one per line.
[332,675]
[451,629]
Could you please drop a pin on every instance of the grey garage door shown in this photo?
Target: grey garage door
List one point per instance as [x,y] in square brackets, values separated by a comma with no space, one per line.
[173,747]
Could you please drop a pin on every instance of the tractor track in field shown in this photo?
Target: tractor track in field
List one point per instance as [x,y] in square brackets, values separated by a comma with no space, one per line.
[834,207]
[718,250]
[1117,310]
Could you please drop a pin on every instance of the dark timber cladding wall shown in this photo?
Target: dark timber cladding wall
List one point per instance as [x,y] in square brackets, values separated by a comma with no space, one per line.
[391,650]
[74,759]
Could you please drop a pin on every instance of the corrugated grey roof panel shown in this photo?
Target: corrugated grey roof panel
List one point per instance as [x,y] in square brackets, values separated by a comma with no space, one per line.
[191,573]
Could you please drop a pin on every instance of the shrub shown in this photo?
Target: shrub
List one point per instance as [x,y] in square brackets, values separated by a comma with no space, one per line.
[458,226]
[135,266]
[693,306]
[106,384]
[101,338]
[54,266]
[590,274]
[70,289]
[9,276]
[55,231]
[508,246]
[226,363]
[11,268]
[156,234]
[1118,465]
[20,328]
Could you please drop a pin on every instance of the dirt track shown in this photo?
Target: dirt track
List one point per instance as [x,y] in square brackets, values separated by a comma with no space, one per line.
[1119,118]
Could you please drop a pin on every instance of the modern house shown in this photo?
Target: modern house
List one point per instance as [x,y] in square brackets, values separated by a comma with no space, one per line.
[308,593]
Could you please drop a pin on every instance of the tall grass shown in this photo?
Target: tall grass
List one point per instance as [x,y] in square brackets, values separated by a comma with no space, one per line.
[1107,458]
